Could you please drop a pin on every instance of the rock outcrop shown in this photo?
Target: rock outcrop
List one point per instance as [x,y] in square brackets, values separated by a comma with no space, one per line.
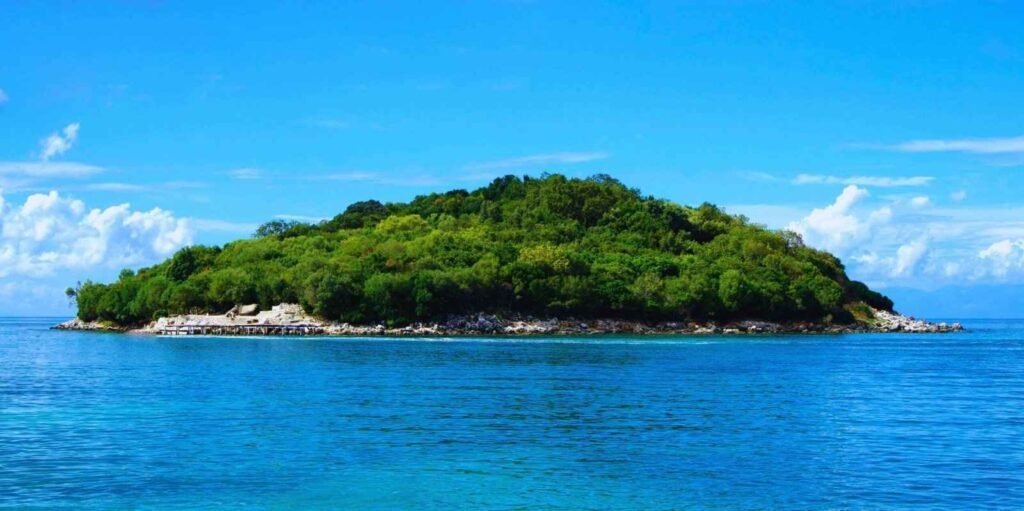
[890,322]
[290,319]
[91,326]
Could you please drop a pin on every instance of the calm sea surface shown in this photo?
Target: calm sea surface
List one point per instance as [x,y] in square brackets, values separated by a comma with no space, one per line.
[816,422]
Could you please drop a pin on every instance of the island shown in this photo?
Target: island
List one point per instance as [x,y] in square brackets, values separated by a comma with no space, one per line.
[522,255]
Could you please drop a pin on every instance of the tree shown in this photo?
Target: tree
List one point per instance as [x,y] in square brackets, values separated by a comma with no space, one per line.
[333,295]
[550,245]
[733,290]
[190,260]
[280,228]
[72,294]
[358,215]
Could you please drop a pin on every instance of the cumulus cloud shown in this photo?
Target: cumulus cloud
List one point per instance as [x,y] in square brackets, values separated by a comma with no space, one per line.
[958,195]
[909,241]
[538,159]
[964,145]
[1003,257]
[836,227]
[59,143]
[902,264]
[879,181]
[920,201]
[908,256]
[49,233]
[880,247]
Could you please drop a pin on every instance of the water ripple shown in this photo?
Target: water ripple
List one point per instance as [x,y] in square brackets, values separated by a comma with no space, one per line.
[813,422]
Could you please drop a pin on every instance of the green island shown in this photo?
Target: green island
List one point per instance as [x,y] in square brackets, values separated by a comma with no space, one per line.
[549,246]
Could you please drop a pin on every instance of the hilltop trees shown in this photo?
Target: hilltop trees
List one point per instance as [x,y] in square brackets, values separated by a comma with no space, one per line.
[546,246]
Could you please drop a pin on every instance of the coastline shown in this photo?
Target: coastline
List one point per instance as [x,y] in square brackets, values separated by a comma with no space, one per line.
[291,320]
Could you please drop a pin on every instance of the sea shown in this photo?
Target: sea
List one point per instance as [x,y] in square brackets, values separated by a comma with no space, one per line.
[815,422]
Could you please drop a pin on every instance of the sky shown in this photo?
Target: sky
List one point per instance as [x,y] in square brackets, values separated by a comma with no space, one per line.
[889,133]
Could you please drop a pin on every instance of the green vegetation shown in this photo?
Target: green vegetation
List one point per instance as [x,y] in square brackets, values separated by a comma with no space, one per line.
[545,246]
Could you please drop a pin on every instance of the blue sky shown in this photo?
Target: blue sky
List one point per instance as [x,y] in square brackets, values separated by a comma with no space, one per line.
[887,132]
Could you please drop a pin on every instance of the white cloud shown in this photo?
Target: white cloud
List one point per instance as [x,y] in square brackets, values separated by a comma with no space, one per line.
[247,174]
[867,258]
[920,201]
[879,181]
[951,269]
[958,195]
[836,227]
[57,144]
[213,225]
[3,97]
[37,169]
[354,175]
[1003,257]
[966,145]
[759,177]
[539,159]
[879,240]
[25,174]
[401,178]
[908,256]
[115,187]
[136,187]
[898,243]
[301,218]
[49,233]
[903,264]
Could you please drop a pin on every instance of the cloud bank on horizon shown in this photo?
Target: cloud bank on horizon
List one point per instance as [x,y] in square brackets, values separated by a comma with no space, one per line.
[913,243]
[48,234]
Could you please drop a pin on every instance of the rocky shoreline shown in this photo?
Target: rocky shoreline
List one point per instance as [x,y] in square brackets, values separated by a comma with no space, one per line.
[289,319]
[90,326]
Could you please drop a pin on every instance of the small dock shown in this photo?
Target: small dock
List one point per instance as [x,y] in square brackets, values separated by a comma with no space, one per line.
[290,330]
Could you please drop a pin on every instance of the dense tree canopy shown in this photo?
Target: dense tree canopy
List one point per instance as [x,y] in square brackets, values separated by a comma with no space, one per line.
[546,246]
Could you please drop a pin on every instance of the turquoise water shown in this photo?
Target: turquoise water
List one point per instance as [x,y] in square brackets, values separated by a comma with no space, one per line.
[827,422]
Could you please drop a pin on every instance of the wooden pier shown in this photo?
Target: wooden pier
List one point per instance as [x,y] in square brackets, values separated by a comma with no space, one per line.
[301,329]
